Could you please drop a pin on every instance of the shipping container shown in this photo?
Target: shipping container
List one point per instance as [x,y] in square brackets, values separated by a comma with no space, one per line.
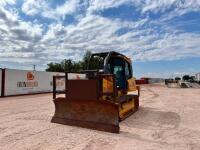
[20,82]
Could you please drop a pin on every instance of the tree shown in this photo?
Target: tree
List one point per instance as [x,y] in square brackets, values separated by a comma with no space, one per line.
[54,67]
[67,65]
[177,78]
[86,59]
[186,77]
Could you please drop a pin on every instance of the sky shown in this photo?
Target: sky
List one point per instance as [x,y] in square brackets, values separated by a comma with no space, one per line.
[162,37]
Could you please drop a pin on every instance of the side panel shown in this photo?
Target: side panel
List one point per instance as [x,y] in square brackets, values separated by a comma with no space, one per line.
[132,84]
[129,107]
[108,85]
[155,80]
[27,82]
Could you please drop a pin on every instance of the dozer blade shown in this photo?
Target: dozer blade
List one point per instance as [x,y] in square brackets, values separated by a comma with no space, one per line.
[93,114]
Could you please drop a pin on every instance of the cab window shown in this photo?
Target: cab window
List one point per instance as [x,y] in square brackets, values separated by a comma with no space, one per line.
[128,72]
[117,67]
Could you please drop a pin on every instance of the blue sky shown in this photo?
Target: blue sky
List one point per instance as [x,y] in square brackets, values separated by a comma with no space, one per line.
[162,37]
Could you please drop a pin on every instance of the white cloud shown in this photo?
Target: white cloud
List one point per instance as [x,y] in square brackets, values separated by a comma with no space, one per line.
[5,2]
[17,54]
[42,7]
[72,7]
[162,5]
[96,5]
[25,42]
[33,7]
[172,47]
[13,25]
[69,7]
[17,38]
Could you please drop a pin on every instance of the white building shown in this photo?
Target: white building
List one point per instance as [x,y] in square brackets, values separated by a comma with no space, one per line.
[197,75]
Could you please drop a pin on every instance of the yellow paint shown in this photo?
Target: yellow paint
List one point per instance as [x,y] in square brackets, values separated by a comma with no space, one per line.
[126,108]
[128,59]
[108,85]
[131,84]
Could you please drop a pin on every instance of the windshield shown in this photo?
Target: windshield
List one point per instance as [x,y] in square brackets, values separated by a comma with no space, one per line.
[97,62]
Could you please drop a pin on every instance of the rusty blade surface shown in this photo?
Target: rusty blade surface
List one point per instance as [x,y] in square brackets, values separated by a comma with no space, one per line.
[93,114]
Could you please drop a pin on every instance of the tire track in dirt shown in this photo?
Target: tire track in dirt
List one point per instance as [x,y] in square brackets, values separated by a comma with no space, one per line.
[155,95]
[99,144]
[21,135]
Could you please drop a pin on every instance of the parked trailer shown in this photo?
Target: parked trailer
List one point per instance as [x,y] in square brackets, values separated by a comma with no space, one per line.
[20,82]
[141,81]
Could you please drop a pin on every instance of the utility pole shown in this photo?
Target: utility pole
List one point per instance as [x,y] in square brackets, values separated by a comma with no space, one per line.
[34,67]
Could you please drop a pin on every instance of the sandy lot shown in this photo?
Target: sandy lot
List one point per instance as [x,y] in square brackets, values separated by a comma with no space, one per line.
[168,119]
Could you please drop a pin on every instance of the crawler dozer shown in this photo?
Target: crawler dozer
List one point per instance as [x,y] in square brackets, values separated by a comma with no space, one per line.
[99,97]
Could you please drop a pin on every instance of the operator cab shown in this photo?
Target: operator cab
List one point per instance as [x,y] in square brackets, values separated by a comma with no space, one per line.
[122,71]
[112,63]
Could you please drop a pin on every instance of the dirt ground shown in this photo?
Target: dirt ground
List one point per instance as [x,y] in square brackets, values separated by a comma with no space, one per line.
[169,118]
